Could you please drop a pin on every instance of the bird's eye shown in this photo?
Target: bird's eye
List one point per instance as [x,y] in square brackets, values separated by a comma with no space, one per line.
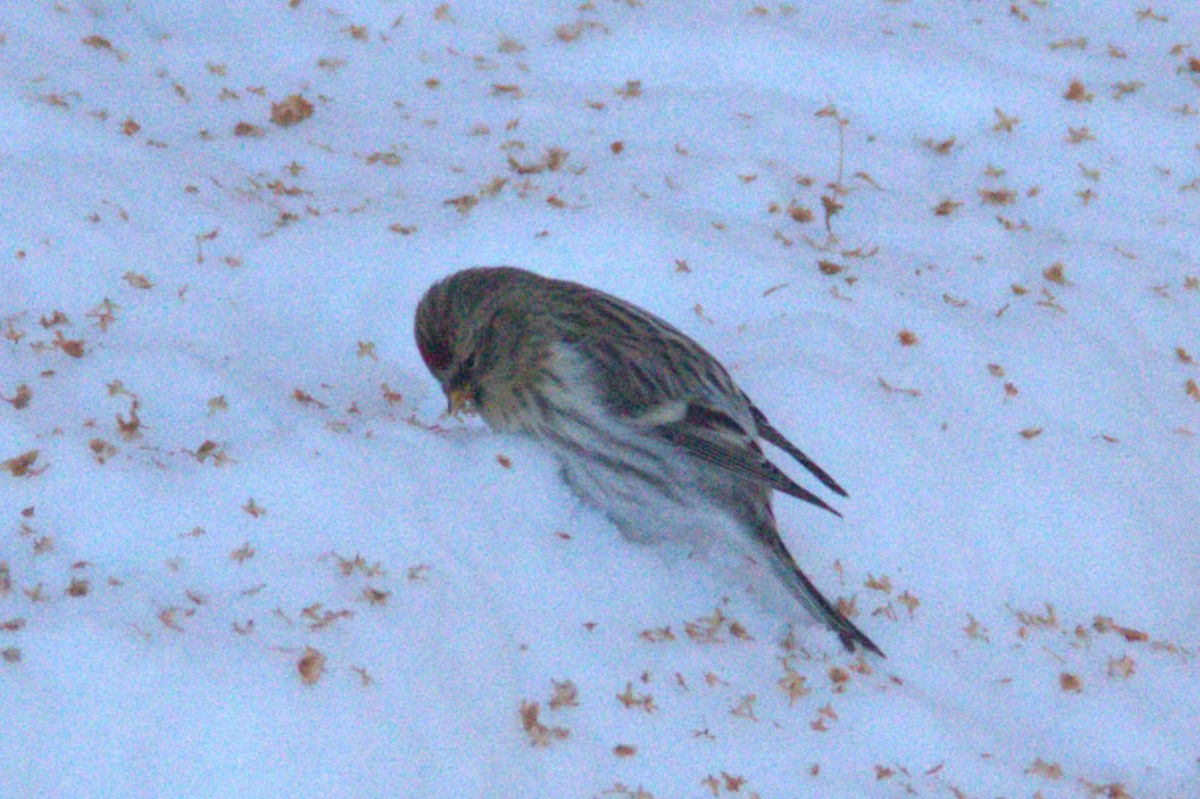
[469,364]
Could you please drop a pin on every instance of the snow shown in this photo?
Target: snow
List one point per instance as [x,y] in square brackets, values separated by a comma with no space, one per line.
[251,558]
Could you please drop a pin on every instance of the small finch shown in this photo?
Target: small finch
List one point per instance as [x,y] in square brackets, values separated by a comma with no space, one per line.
[646,425]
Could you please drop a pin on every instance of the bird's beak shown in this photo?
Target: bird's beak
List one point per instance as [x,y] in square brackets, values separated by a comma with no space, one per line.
[459,400]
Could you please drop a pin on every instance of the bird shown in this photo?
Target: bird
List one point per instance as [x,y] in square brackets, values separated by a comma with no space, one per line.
[645,424]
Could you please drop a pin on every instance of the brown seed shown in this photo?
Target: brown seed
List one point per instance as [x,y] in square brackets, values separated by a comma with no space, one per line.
[291,110]
[311,666]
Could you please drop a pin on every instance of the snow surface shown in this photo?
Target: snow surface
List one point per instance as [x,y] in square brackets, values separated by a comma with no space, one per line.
[251,559]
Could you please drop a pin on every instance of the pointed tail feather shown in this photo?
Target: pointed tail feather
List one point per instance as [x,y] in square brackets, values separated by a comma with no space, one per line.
[803,589]
[770,434]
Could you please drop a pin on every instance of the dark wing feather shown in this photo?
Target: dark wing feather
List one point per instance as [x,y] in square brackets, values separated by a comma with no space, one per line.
[768,433]
[714,437]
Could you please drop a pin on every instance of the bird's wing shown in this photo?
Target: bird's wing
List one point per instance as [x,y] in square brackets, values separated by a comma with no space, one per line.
[768,432]
[715,437]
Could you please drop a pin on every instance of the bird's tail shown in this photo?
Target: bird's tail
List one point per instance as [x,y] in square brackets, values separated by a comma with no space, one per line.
[803,589]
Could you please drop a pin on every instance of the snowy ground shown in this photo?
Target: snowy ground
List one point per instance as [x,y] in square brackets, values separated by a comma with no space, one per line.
[950,248]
